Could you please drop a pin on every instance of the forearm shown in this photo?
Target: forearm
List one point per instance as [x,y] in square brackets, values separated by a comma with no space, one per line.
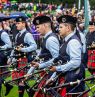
[29,49]
[69,66]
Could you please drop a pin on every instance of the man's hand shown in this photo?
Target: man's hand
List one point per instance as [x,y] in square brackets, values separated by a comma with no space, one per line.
[19,48]
[49,81]
[53,68]
[9,61]
[35,64]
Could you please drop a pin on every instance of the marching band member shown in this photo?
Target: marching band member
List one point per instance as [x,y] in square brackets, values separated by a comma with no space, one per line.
[5,44]
[71,54]
[25,45]
[50,44]
[91,50]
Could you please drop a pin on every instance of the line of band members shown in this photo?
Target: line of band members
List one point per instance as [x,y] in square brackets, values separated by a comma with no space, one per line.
[71,48]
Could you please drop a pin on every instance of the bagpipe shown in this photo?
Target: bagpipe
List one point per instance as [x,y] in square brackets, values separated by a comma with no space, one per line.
[24,80]
[61,80]
[15,71]
[37,88]
[37,71]
[6,52]
[80,94]
[17,53]
[17,68]
[7,66]
[22,60]
[40,80]
[86,91]
[33,90]
[71,83]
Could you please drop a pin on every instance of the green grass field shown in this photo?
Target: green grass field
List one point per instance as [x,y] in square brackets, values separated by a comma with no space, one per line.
[89,84]
[14,91]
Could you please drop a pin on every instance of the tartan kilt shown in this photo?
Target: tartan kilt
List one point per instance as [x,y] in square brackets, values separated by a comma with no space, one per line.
[91,60]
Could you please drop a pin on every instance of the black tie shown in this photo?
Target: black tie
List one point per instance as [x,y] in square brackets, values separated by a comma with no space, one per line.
[64,41]
[19,33]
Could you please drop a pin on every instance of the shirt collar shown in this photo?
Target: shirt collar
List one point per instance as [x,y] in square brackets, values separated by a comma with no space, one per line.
[48,33]
[0,29]
[68,36]
[22,31]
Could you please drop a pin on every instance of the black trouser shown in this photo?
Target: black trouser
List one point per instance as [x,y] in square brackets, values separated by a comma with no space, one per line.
[21,90]
[0,89]
[0,85]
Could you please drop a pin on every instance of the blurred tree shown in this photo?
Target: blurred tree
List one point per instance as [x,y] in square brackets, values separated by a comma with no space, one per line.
[69,2]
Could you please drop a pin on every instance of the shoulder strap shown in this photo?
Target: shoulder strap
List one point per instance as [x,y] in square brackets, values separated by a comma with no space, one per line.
[78,35]
[75,37]
[1,32]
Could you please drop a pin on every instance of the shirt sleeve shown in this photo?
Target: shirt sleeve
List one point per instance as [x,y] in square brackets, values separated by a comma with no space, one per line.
[83,39]
[53,75]
[6,39]
[32,44]
[74,49]
[52,44]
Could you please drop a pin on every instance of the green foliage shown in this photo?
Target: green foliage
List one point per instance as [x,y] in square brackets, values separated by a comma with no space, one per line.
[69,2]
[92,2]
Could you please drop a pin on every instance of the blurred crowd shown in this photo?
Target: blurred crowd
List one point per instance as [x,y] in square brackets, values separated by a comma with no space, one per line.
[36,15]
[33,10]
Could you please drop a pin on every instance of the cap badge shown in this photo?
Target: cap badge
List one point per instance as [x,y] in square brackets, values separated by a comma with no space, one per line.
[63,20]
[20,19]
[37,21]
